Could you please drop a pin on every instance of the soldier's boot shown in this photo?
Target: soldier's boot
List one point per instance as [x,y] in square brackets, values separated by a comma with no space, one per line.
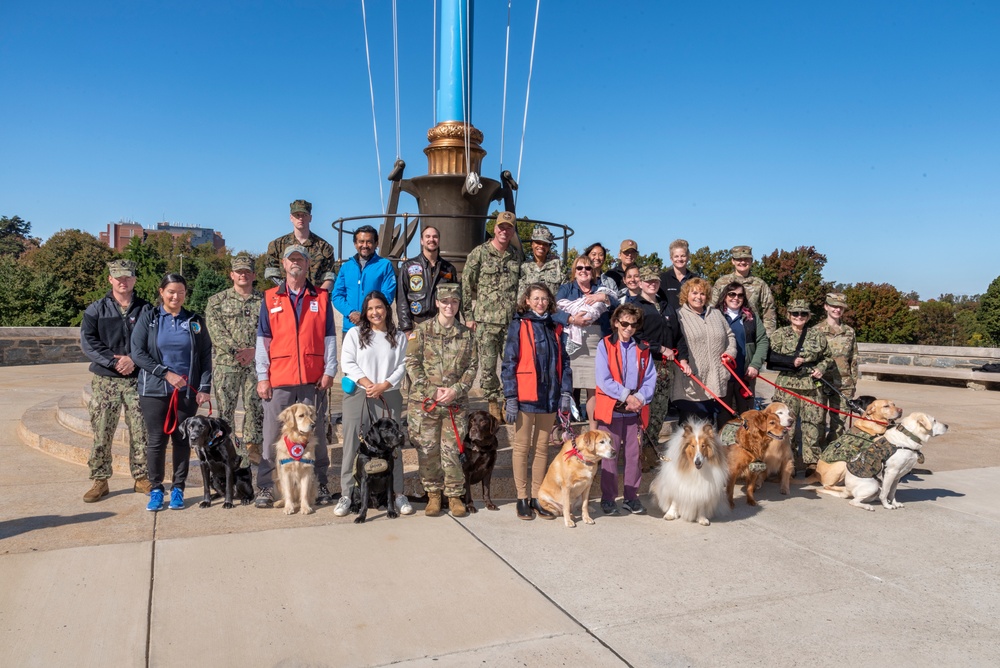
[496,411]
[142,485]
[253,453]
[433,508]
[457,507]
[98,491]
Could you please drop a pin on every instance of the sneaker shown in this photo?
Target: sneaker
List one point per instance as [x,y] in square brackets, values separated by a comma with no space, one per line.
[343,507]
[403,505]
[142,486]
[323,496]
[155,500]
[609,508]
[634,506]
[264,498]
[177,499]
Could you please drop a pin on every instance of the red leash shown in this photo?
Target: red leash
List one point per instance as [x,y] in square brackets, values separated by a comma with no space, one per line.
[823,406]
[170,421]
[430,404]
[704,387]
[730,365]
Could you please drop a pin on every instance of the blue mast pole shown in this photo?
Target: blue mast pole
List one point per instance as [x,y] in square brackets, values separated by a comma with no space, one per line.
[455,61]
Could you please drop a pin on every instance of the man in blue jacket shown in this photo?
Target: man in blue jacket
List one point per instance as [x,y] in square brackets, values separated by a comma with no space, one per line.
[361,274]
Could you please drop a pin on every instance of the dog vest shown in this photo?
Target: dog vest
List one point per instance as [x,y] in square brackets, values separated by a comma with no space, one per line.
[869,462]
[605,408]
[728,432]
[297,344]
[295,452]
[847,447]
[527,370]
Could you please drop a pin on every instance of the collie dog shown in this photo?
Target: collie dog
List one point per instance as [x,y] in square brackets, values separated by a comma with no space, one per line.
[692,483]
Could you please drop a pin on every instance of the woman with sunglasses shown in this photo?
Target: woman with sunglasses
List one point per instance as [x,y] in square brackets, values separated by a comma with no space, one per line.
[802,355]
[751,344]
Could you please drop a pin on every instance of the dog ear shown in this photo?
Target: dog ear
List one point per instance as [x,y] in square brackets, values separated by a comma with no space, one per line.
[284,415]
[182,428]
[494,424]
[925,421]
[221,425]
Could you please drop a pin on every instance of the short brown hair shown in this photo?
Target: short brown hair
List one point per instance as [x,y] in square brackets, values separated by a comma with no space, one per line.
[628,309]
[522,303]
[690,285]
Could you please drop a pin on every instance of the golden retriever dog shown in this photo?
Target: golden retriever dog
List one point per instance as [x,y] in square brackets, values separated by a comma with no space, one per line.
[831,473]
[691,481]
[778,455]
[570,475]
[295,459]
[746,455]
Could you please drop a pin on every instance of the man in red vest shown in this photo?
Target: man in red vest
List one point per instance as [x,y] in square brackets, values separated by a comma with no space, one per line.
[296,360]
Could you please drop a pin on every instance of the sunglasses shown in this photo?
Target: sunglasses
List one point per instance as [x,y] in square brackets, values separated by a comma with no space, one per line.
[584,267]
[735,294]
[631,324]
[799,314]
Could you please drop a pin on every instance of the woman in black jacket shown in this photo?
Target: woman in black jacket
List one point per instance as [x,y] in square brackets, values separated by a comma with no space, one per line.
[173,351]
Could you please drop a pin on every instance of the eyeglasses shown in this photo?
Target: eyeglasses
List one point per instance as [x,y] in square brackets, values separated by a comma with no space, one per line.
[799,314]
[584,267]
[627,325]
[735,294]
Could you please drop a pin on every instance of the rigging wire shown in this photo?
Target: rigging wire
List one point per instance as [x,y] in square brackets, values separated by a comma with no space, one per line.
[434,64]
[503,108]
[395,73]
[527,94]
[467,89]
[371,90]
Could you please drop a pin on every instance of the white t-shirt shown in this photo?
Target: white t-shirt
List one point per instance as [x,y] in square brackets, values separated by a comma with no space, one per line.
[378,361]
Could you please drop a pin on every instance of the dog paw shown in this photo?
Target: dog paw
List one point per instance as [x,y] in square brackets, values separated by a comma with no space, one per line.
[204,504]
[491,506]
[703,521]
[393,515]
[587,520]
[471,508]
[732,505]
[784,491]
[751,502]
[289,510]
[280,503]
[227,505]
[570,523]
[670,516]
[306,510]
[245,502]
[359,520]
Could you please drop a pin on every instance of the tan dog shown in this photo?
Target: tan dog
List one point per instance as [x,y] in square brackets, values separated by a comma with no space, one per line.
[778,456]
[570,475]
[295,459]
[692,480]
[746,455]
[831,474]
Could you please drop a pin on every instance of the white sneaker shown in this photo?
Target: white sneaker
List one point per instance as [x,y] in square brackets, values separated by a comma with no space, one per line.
[343,507]
[403,505]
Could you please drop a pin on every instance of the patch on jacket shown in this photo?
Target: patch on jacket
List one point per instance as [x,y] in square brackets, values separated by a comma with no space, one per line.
[847,447]
[869,462]
[414,269]
[416,282]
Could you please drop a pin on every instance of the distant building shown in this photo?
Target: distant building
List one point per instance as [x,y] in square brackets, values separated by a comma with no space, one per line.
[119,235]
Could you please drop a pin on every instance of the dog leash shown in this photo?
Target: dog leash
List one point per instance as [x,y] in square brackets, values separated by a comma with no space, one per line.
[430,404]
[710,392]
[823,406]
[169,427]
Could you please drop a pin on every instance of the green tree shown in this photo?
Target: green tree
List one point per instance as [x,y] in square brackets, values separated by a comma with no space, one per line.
[989,312]
[32,298]
[935,324]
[796,274]
[14,236]
[150,267]
[879,313]
[710,265]
[208,283]
[78,259]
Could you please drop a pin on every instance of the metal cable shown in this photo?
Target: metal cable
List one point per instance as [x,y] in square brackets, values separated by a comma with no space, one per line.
[371,90]
[503,107]
[527,94]
[395,72]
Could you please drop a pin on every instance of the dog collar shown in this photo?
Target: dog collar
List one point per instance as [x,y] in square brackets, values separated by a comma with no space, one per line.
[300,460]
[296,450]
[910,435]
[573,452]
[216,437]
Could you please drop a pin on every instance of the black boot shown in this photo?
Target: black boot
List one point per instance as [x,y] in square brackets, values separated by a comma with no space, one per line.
[524,511]
[544,514]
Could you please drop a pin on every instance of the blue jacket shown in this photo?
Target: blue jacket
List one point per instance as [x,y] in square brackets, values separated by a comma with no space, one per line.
[549,386]
[353,284]
[573,292]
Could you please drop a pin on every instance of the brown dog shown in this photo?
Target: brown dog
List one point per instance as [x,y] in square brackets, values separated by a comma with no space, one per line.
[746,455]
[295,458]
[571,473]
[831,474]
[480,446]
[778,456]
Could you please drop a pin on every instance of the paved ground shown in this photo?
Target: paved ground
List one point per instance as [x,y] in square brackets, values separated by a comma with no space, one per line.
[798,580]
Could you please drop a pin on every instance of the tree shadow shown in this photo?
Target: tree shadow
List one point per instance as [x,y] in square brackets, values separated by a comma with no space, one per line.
[15,527]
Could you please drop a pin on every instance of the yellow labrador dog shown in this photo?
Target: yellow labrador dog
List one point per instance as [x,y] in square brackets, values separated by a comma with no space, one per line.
[295,458]
[570,475]
[832,466]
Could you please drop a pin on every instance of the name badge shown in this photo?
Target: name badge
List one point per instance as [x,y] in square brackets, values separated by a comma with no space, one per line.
[276,309]
[314,307]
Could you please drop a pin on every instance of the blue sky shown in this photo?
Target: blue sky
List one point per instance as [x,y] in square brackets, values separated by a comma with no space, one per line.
[870,130]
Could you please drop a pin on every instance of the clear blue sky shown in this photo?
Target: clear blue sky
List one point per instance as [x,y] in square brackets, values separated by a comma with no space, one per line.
[868,129]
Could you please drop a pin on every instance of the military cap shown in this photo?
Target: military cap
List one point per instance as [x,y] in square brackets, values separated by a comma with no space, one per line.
[628,244]
[836,299]
[741,253]
[541,233]
[649,272]
[242,262]
[448,291]
[295,248]
[121,269]
[301,206]
[506,218]
[798,305]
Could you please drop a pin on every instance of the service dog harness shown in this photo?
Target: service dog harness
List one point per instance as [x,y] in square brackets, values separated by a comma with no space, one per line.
[869,462]
[728,437]
[296,450]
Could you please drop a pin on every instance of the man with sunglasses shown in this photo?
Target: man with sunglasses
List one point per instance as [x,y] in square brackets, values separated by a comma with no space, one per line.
[759,296]
[231,317]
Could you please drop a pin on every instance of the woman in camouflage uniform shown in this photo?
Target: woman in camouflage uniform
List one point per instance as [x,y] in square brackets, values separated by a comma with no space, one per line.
[843,373]
[544,266]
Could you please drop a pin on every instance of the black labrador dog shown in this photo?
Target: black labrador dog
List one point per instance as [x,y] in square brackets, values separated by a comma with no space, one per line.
[480,456]
[211,439]
[373,476]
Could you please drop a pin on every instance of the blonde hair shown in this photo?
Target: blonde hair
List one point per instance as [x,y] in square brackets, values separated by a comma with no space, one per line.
[678,243]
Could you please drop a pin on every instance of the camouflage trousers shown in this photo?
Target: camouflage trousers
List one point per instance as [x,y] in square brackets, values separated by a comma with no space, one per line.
[660,402]
[108,396]
[811,431]
[490,340]
[230,385]
[837,422]
[437,451]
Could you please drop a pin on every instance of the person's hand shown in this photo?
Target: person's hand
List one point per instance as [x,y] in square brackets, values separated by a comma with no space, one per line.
[594,298]
[686,368]
[799,361]
[565,402]
[445,395]
[176,380]
[244,356]
[752,373]
[124,364]
[203,398]
[668,354]
[264,390]
[325,383]
[354,317]
[471,324]
[634,403]
[375,390]
[511,411]
[817,374]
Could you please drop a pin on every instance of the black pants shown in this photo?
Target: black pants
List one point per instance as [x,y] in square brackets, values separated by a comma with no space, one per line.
[154,412]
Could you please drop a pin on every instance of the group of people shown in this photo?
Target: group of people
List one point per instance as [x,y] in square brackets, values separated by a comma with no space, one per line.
[622,347]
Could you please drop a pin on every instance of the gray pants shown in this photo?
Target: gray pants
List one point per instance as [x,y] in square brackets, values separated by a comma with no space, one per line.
[282,398]
[356,418]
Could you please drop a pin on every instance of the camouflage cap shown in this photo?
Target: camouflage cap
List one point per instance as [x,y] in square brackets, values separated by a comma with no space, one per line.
[628,244]
[295,248]
[541,233]
[506,218]
[121,269]
[448,291]
[301,206]
[798,305]
[242,262]
[741,253]
[836,299]
[649,272]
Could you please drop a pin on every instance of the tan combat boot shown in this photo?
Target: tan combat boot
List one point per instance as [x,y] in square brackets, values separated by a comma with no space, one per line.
[253,453]
[142,485]
[457,507]
[496,411]
[433,508]
[97,492]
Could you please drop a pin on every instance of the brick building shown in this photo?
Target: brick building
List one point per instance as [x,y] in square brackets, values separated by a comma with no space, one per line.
[118,235]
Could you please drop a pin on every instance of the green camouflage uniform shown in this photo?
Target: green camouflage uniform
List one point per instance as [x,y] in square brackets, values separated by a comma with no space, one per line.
[108,394]
[549,274]
[814,349]
[321,258]
[759,297]
[847,446]
[489,297]
[232,323]
[439,357]
[843,374]
[660,402]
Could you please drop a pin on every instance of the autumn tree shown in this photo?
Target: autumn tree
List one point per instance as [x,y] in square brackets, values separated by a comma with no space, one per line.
[796,274]
[989,312]
[710,265]
[879,313]
[935,324]
[78,259]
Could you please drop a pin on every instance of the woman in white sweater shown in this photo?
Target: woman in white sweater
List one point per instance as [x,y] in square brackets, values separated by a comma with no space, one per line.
[374,358]
[708,337]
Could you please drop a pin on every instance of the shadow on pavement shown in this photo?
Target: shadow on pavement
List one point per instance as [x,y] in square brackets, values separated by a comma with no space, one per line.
[9,528]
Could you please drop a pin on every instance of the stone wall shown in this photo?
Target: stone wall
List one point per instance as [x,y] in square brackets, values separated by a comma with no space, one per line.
[40,345]
[941,357]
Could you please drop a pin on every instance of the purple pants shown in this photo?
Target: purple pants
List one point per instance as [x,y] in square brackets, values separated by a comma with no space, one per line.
[624,431]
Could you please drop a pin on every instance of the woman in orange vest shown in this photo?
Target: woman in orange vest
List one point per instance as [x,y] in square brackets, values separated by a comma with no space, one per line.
[626,381]
[537,380]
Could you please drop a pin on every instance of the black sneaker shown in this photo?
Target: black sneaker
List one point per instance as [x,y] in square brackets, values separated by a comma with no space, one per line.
[609,508]
[323,496]
[634,507]
[264,498]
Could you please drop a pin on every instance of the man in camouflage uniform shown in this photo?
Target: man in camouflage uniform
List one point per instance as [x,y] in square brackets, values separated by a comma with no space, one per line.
[802,367]
[543,266]
[489,297]
[759,296]
[843,373]
[441,361]
[105,336]
[321,256]
[231,317]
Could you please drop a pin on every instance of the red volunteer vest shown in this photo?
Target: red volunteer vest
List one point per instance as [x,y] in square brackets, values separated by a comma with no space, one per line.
[527,372]
[296,348]
[605,408]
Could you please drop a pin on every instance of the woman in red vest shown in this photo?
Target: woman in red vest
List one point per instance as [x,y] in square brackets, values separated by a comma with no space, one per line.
[537,380]
[626,381]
